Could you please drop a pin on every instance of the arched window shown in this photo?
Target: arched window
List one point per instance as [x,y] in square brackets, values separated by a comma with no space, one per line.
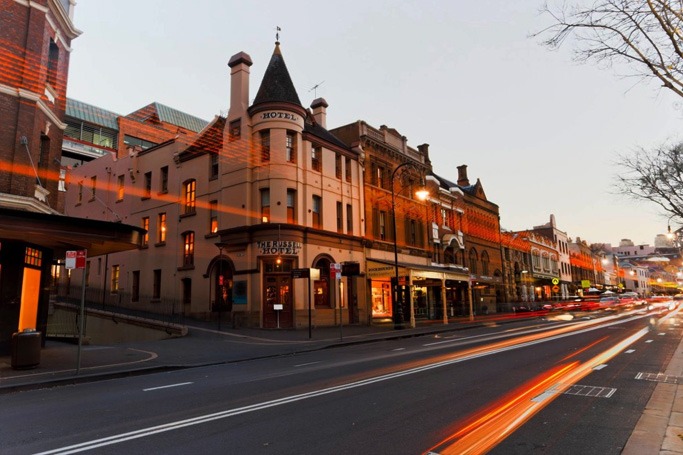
[473,261]
[321,287]
[484,263]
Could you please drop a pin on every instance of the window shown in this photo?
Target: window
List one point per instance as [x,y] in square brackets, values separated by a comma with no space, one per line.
[190,190]
[382,225]
[52,63]
[411,232]
[379,176]
[340,217]
[213,217]
[316,158]
[187,290]
[338,165]
[156,284]
[317,212]
[188,249]
[265,205]
[213,166]
[93,187]
[485,263]
[161,228]
[444,217]
[291,206]
[235,129]
[473,261]
[145,226]
[347,169]
[115,273]
[121,179]
[291,147]
[163,182]
[349,219]
[135,287]
[265,146]
[136,142]
[147,190]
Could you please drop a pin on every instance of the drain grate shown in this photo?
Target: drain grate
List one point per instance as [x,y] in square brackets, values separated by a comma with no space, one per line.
[659,377]
[590,391]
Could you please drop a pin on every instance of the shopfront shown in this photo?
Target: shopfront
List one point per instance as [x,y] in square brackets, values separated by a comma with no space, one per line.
[429,293]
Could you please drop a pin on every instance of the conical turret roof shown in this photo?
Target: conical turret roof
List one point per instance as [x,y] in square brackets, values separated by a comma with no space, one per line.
[277,85]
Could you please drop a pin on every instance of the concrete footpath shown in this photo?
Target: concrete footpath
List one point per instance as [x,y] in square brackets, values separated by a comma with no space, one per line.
[659,430]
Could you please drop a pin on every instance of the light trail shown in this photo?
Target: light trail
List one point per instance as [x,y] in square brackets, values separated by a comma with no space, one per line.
[487,428]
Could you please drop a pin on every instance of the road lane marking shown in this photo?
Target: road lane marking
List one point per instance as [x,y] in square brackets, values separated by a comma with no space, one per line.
[630,351]
[306,364]
[600,367]
[167,386]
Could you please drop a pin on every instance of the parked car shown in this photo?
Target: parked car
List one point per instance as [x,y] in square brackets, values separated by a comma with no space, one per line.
[631,299]
[609,302]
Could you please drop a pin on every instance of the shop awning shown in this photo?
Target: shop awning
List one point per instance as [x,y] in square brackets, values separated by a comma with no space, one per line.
[61,233]
[379,268]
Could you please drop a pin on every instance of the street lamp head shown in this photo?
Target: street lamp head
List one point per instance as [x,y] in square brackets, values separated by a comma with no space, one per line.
[422,194]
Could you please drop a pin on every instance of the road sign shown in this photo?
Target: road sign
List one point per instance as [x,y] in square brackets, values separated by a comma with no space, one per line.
[335,271]
[350,269]
[301,273]
[556,281]
[75,259]
[556,289]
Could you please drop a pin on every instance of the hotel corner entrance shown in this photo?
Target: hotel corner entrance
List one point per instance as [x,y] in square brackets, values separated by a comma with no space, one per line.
[278,310]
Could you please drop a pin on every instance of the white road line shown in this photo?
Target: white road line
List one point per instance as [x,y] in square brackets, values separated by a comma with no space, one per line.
[648,341]
[167,386]
[630,351]
[306,364]
[399,349]
[600,367]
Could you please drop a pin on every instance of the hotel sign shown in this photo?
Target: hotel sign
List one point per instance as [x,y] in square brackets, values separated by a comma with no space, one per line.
[275,247]
[279,115]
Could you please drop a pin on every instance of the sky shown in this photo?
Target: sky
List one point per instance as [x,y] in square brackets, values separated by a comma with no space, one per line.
[541,132]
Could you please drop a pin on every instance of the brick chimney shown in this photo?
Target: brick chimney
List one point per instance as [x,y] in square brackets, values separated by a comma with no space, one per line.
[239,84]
[319,106]
[462,176]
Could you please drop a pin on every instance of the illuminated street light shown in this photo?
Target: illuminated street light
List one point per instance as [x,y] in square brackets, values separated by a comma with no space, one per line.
[397,300]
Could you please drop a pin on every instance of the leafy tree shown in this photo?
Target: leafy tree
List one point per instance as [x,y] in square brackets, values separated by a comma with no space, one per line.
[646,38]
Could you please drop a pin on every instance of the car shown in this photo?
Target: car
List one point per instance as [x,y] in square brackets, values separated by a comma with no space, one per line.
[609,302]
[631,299]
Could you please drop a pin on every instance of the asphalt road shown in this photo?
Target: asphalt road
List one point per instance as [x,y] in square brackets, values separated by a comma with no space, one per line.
[510,389]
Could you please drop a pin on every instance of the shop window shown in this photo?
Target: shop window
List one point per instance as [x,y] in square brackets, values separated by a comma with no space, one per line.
[381,299]
[321,287]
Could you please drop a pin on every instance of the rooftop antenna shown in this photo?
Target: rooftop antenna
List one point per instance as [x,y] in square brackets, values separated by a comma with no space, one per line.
[314,89]
[277,34]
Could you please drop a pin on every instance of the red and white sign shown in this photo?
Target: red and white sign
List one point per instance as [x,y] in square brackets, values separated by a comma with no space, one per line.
[75,259]
[335,271]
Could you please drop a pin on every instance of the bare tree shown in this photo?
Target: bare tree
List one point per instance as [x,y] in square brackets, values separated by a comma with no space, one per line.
[646,38]
[646,35]
[655,176]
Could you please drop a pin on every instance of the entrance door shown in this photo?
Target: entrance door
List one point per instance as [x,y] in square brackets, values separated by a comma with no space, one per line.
[277,300]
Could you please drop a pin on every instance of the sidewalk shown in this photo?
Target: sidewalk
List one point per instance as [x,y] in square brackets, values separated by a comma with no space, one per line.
[659,430]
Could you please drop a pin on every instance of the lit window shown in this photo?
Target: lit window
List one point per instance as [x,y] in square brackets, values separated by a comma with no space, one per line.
[115,272]
[188,248]
[121,182]
[265,205]
[145,226]
[190,191]
[161,228]
[213,217]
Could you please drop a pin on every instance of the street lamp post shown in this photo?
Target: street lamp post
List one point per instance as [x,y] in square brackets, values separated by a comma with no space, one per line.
[397,298]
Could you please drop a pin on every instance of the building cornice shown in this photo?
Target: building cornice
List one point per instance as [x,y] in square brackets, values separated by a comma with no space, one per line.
[26,94]
[62,16]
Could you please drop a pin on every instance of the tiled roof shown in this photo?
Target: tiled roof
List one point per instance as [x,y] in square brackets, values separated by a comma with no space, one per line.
[91,114]
[169,115]
[322,133]
[277,84]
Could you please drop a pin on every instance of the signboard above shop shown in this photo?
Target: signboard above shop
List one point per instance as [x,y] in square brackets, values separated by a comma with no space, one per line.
[278,247]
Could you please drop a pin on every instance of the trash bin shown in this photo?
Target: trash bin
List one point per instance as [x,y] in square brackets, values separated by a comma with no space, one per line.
[26,349]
